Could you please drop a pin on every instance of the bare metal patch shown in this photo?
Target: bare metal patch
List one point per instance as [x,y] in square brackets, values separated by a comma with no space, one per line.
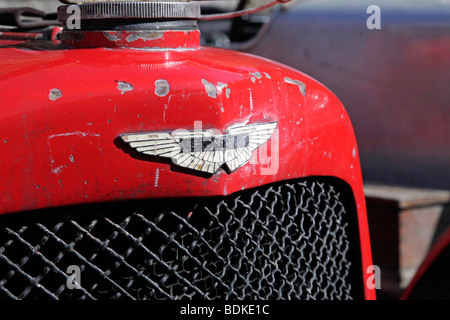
[224,86]
[162,87]
[257,75]
[300,84]
[55,94]
[111,36]
[124,86]
[210,88]
[144,36]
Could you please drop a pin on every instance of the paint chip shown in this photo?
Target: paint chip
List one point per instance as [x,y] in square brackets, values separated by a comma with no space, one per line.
[146,36]
[55,94]
[257,75]
[162,87]
[111,36]
[222,86]
[300,84]
[210,88]
[124,86]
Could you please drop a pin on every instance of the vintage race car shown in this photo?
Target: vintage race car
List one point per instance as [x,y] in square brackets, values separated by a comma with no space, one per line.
[138,164]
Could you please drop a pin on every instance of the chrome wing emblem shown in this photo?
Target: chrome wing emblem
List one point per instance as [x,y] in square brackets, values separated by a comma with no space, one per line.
[203,150]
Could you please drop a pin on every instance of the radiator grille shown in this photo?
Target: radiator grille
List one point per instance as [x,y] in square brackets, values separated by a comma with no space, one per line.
[290,240]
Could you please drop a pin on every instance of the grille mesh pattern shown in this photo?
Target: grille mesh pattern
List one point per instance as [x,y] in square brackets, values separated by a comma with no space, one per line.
[284,241]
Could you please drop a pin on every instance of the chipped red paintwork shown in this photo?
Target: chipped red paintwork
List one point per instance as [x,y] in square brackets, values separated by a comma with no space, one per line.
[135,39]
[62,111]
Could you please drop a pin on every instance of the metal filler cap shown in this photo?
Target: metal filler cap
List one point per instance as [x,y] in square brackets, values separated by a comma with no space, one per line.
[149,9]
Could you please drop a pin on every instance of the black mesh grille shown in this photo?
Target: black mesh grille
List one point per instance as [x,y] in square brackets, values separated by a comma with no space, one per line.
[292,240]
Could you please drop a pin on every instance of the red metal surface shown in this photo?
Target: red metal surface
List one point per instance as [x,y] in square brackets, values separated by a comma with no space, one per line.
[62,111]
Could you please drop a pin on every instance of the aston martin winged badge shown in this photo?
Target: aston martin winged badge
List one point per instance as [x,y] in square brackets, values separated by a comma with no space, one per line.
[203,150]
